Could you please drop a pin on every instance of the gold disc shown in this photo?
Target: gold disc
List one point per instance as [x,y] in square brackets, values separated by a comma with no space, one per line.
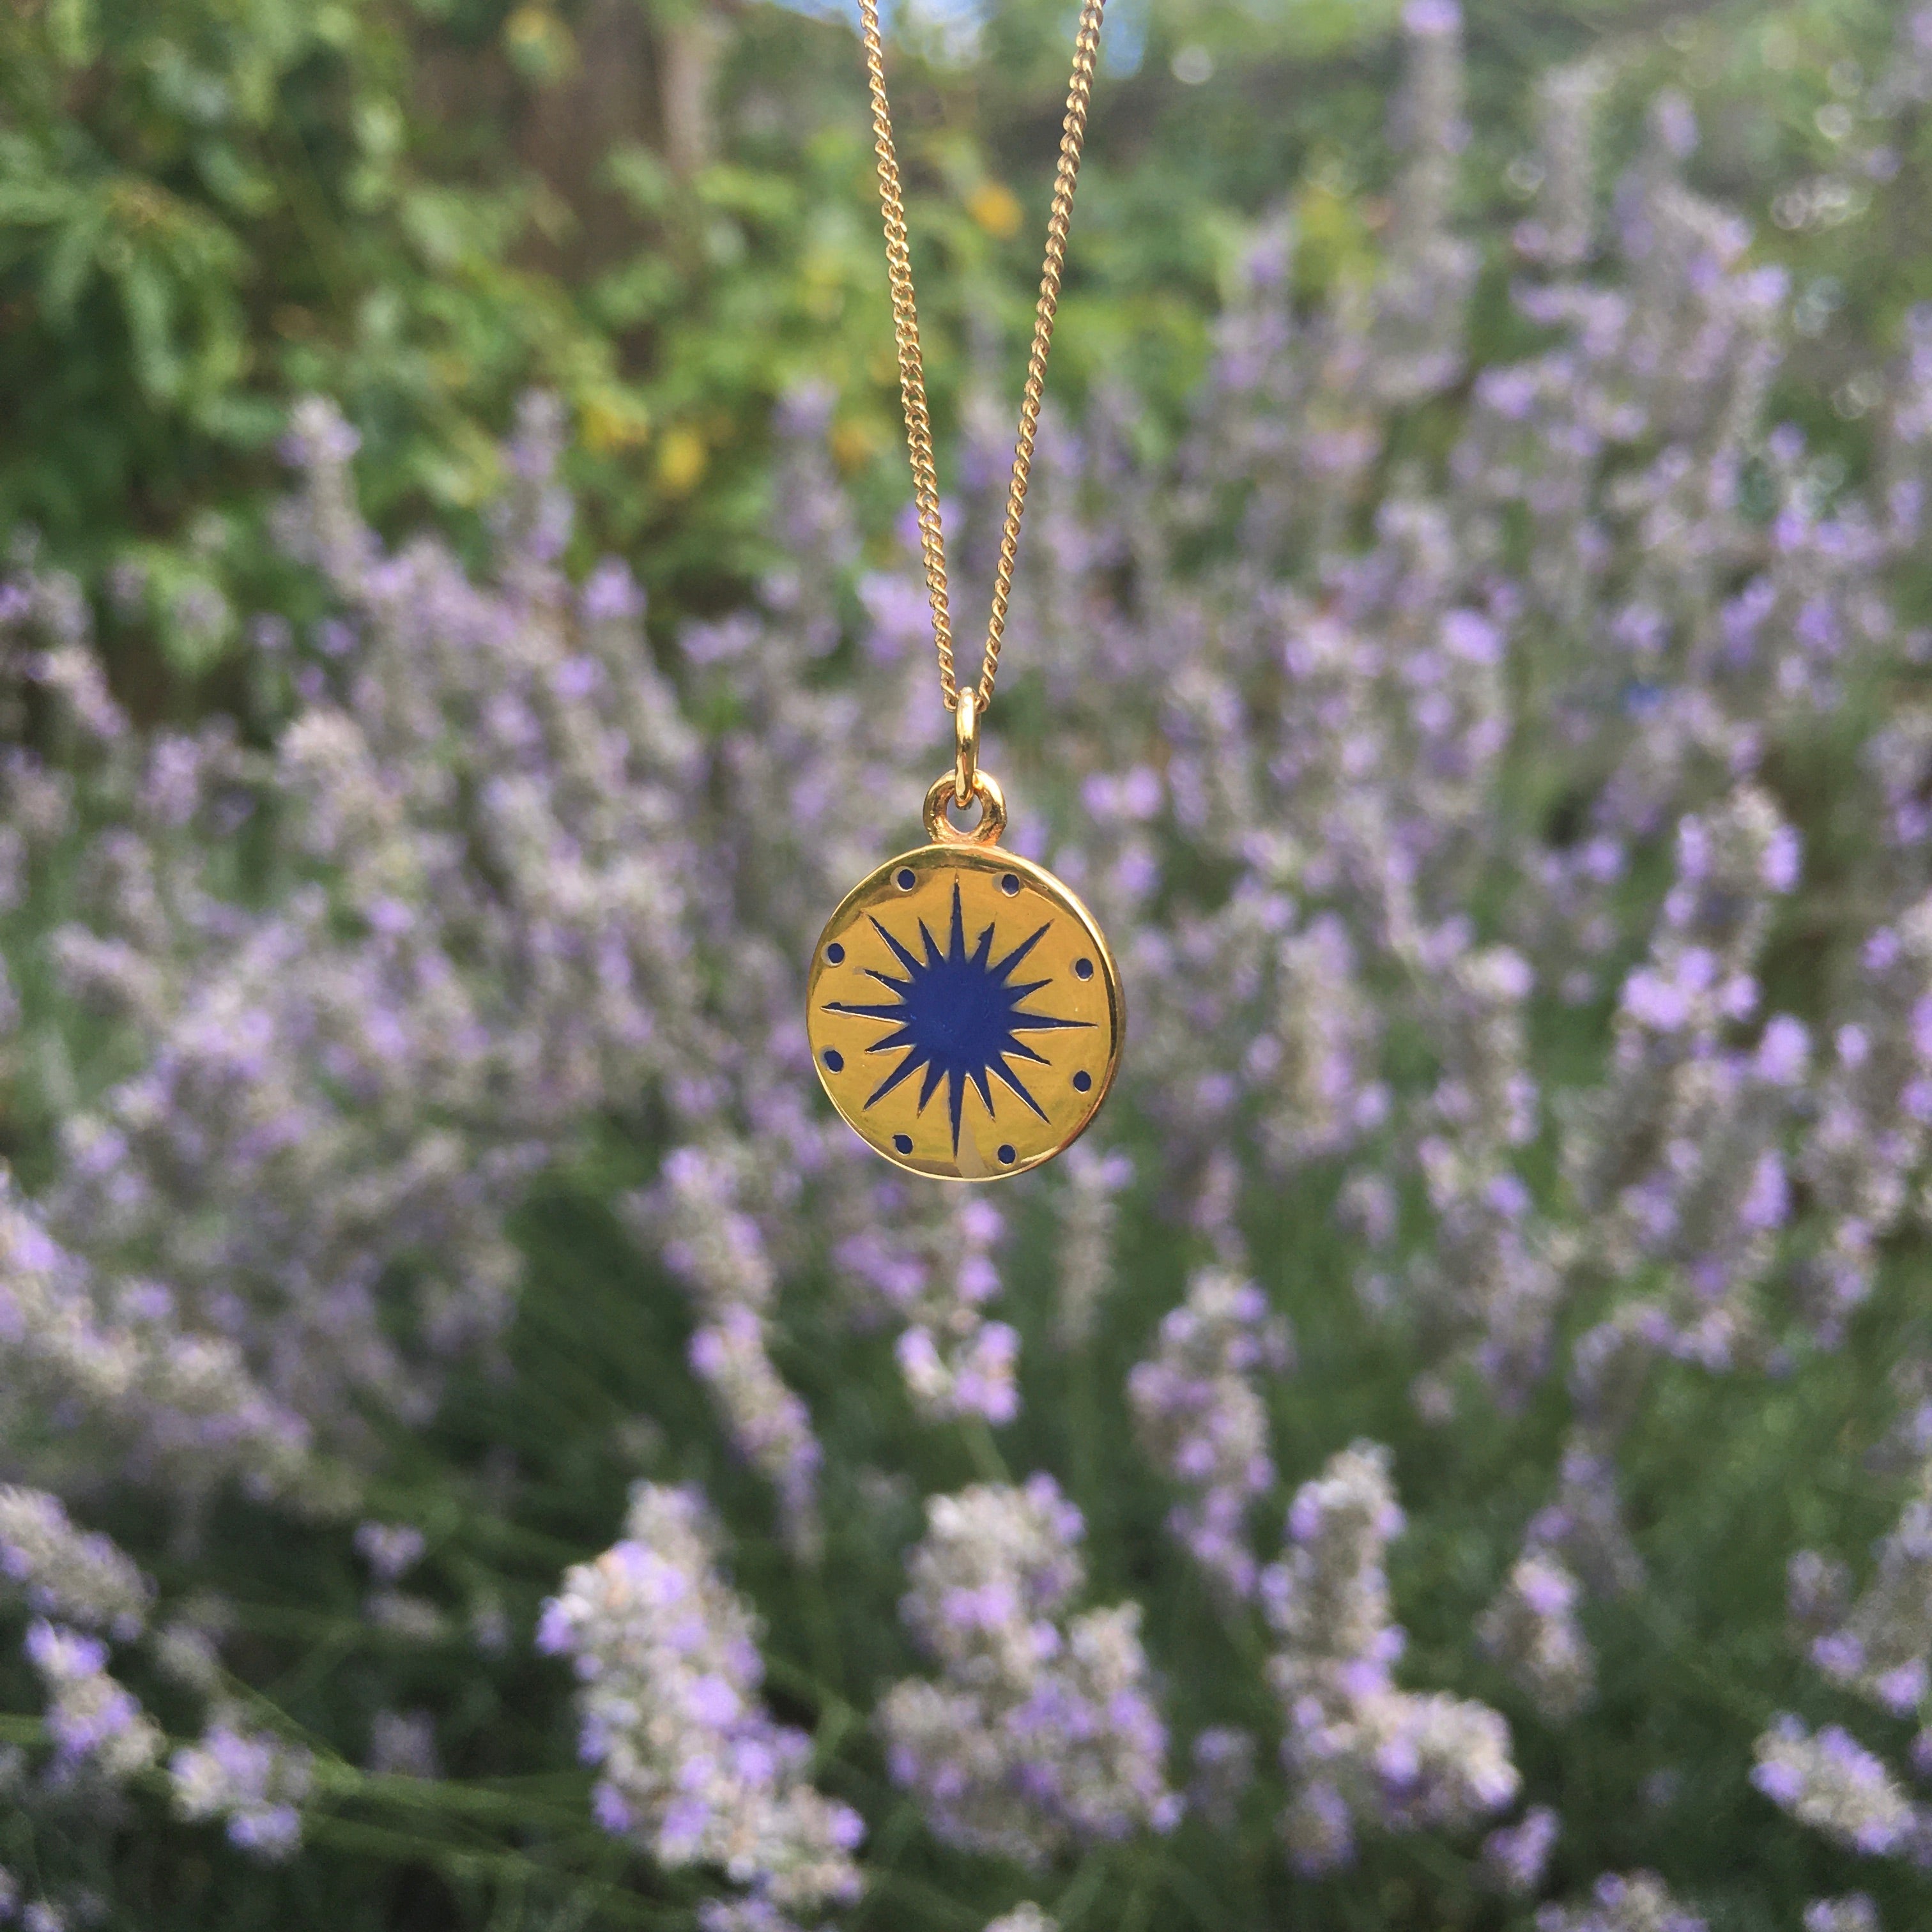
[964,1012]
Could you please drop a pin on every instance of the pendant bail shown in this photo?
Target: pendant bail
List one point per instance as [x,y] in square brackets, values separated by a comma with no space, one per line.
[966,741]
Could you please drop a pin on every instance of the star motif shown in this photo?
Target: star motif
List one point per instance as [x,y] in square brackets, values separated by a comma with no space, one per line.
[957,1014]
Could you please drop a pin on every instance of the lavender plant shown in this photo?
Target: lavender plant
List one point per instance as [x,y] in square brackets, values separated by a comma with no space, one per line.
[1507,786]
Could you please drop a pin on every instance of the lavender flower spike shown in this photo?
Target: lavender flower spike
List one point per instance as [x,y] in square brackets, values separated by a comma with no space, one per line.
[1516,1856]
[1358,1750]
[717,1250]
[1087,1214]
[253,1781]
[95,1723]
[1201,1420]
[1854,1913]
[78,1576]
[1637,1903]
[1041,1733]
[1531,1630]
[1027,1918]
[1832,1783]
[1881,1645]
[691,1766]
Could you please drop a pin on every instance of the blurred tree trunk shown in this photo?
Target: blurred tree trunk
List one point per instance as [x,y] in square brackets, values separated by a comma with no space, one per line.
[688,47]
[636,74]
[567,129]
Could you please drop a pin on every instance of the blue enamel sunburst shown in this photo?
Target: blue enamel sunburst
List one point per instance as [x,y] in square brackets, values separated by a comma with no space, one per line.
[964,1012]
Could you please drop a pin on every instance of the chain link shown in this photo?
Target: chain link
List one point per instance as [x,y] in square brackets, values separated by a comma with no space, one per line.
[912,373]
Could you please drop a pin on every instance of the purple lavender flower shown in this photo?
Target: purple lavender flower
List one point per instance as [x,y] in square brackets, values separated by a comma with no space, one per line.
[1201,1418]
[1359,1750]
[1832,1783]
[1637,1902]
[1042,1732]
[690,1763]
[1855,1912]
[78,1576]
[250,1780]
[1516,1856]
[1531,1629]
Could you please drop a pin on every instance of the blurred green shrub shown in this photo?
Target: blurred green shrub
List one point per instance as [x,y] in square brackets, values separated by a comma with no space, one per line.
[208,207]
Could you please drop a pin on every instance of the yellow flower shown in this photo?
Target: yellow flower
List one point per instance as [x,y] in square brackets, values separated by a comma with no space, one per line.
[681,460]
[852,443]
[996,208]
[610,422]
[539,44]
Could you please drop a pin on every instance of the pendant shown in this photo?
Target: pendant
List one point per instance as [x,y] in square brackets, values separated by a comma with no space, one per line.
[964,1009]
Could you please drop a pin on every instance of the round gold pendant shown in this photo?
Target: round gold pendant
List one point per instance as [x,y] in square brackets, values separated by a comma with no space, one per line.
[964,1009]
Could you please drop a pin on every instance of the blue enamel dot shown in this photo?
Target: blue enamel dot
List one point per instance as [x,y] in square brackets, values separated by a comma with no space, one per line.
[904,880]
[903,1143]
[1082,1082]
[835,953]
[1007,1157]
[1010,884]
[1083,969]
[834,1059]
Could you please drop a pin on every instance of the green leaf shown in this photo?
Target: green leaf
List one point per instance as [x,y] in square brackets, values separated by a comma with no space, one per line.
[236,183]
[147,303]
[73,32]
[70,262]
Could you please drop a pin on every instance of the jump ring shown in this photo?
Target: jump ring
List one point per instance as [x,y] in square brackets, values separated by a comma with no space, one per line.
[940,829]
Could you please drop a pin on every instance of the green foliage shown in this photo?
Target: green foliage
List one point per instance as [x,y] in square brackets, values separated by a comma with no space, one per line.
[422,208]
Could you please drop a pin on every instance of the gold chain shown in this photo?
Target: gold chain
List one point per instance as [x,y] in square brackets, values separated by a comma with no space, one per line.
[912,374]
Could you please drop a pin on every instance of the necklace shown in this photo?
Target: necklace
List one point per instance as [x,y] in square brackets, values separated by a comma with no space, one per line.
[964,1009]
